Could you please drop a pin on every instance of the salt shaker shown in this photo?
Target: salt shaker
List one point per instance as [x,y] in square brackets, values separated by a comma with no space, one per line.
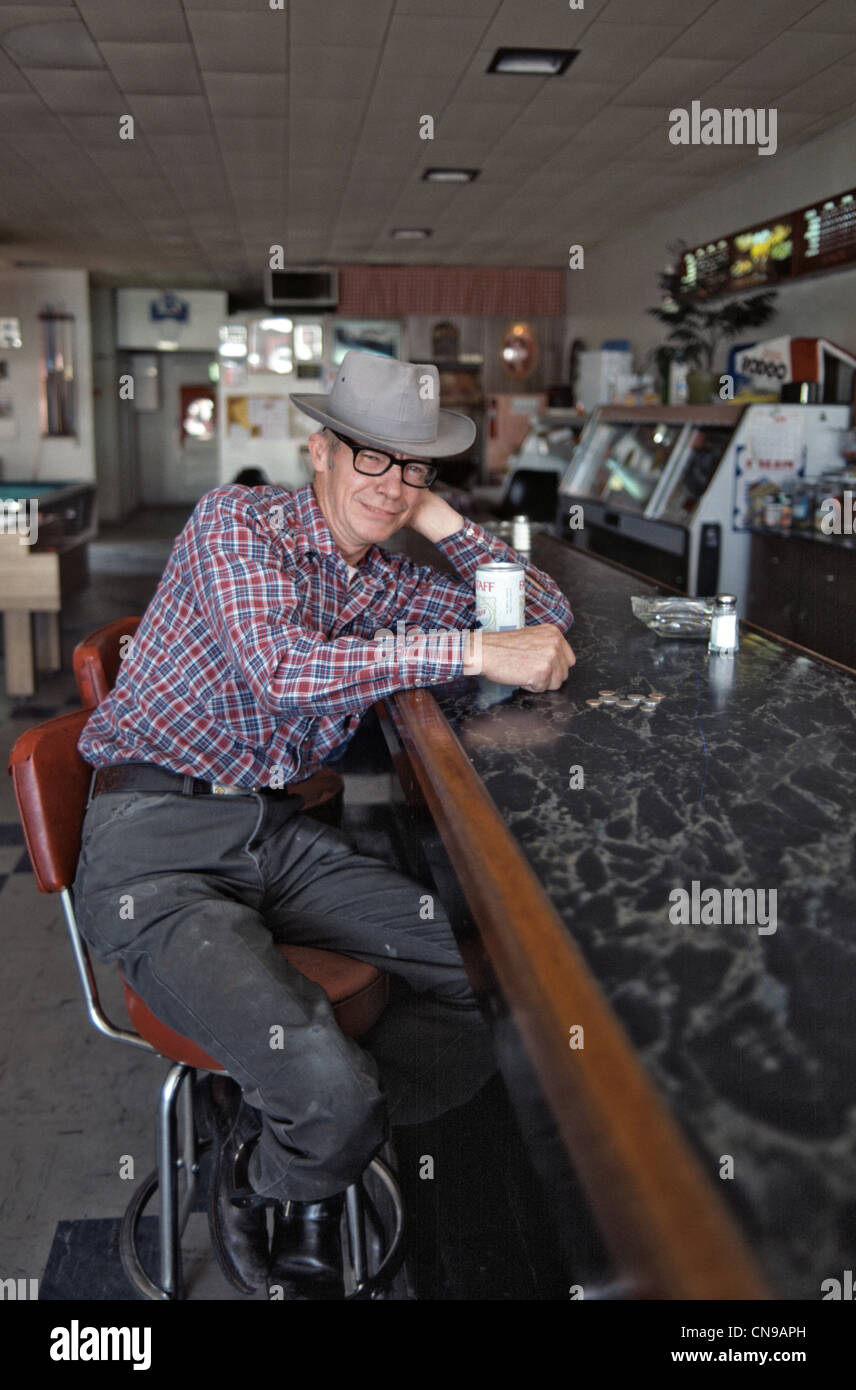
[723,627]
[521,534]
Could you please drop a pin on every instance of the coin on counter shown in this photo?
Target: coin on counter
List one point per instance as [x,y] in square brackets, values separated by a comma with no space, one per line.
[636,698]
[649,704]
[609,699]
[594,703]
[606,692]
[655,695]
[626,704]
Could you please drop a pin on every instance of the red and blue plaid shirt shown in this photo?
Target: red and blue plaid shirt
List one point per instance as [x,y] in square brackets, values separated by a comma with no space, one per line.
[255,660]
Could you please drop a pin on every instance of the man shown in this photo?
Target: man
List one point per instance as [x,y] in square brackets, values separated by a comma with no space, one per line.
[252,666]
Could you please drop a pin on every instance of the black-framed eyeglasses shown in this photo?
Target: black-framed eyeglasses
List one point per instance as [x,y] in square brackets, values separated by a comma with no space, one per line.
[373,463]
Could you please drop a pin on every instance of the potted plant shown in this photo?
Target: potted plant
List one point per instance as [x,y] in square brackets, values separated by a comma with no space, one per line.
[696,330]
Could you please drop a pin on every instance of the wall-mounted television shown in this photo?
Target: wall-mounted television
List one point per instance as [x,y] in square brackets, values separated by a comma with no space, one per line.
[302,287]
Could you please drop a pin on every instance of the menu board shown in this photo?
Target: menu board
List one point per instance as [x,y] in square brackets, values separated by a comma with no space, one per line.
[705,270]
[812,239]
[829,233]
[762,256]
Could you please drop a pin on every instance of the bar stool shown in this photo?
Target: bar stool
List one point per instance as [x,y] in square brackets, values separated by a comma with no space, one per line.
[51,783]
[97,659]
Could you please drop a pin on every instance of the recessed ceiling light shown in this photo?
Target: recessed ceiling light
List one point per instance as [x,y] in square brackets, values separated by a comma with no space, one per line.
[532,62]
[410,233]
[450,175]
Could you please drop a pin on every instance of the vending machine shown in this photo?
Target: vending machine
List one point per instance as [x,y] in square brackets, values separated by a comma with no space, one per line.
[263,359]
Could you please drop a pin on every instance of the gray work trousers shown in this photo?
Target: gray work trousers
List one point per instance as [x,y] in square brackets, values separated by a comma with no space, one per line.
[190,894]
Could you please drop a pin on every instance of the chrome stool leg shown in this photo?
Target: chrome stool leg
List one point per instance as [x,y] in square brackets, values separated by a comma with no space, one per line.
[188,1159]
[168,1163]
[371,1285]
[174,1211]
[356,1232]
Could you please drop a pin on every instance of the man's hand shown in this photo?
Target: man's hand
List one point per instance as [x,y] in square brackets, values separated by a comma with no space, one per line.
[434,518]
[535,658]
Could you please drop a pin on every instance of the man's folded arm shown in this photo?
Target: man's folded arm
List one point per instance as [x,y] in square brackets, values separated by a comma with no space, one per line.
[252,605]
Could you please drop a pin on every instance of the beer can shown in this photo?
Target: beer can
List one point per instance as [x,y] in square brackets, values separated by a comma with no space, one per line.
[500,596]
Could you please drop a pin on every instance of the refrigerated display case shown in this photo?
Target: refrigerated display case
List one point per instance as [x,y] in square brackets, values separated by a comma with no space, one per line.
[626,461]
[665,490]
[687,483]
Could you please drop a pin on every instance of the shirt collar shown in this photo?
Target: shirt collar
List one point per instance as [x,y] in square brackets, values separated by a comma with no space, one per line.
[313,533]
[310,520]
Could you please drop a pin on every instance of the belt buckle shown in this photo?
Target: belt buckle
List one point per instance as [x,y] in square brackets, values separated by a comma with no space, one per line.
[222,789]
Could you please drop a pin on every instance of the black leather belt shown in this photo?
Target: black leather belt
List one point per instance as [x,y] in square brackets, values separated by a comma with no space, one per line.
[149,777]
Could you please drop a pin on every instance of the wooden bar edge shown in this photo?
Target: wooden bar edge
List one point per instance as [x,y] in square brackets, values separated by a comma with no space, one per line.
[667,1229]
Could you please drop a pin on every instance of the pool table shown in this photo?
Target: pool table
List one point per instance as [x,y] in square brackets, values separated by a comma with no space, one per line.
[44,531]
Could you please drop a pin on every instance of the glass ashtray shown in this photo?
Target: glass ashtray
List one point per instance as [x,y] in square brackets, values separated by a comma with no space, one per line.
[675,617]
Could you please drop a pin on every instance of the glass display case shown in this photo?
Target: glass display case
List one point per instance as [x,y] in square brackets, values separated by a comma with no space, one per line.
[655,494]
[694,469]
[622,463]
[668,490]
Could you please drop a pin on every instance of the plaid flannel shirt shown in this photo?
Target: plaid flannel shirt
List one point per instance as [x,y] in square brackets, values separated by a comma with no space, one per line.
[256,659]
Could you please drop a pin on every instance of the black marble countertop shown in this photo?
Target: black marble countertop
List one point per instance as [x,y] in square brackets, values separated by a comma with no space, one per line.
[743,778]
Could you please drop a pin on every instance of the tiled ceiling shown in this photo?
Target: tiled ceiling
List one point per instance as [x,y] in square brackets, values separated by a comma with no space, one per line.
[299,125]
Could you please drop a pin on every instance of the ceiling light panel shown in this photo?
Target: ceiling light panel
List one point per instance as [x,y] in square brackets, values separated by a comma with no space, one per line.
[532,62]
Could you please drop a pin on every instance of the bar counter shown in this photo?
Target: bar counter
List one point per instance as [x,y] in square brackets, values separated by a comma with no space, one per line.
[733,1144]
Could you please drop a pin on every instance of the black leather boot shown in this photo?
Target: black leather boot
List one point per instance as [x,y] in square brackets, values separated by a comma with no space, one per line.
[238,1232]
[306,1251]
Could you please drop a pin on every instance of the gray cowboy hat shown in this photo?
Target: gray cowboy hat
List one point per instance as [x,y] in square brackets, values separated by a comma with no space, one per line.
[396,405]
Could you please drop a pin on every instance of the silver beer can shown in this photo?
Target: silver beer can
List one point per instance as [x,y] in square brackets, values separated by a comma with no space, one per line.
[500,596]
